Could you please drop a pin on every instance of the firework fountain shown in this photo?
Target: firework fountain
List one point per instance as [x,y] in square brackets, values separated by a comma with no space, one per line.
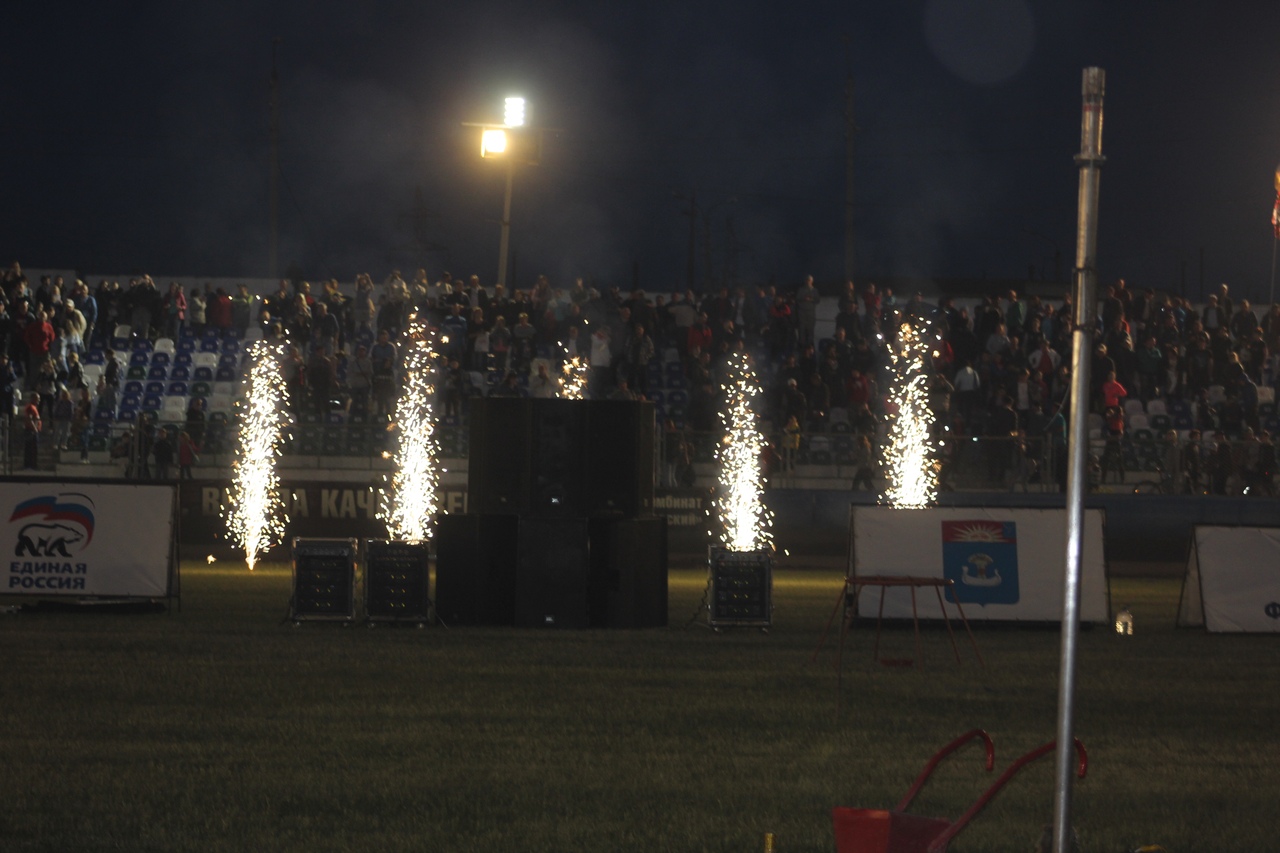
[412,503]
[255,516]
[910,454]
[573,383]
[743,516]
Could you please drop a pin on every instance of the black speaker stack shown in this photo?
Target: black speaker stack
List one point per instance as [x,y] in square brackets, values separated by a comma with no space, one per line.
[560,531]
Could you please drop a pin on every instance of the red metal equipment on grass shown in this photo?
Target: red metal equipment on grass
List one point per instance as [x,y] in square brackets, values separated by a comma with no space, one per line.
[895,831]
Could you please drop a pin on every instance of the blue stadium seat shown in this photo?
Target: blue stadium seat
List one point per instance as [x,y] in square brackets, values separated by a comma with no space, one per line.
[203,374]
[160,358]
[158,372]
[152,402]
[225,374]
[153,388]
[142,345]
[176,389]
[180,373]
[95,356]
[230,346]
[134,387]
[140,358]
[209,345]
[186,345]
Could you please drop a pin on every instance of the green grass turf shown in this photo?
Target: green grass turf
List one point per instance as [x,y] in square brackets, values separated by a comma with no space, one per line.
[217,728]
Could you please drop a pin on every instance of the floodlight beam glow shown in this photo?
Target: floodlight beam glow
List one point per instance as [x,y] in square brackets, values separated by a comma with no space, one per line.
[413,502]
[255,517]
[746,522]
[910,450]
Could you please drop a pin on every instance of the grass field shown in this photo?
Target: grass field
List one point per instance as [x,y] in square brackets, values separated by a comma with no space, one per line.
[217,728]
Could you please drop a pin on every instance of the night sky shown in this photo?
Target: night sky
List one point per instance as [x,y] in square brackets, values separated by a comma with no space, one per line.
[135,137]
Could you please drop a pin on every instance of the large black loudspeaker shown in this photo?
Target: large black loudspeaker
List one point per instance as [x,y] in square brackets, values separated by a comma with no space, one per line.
[620,457]
[557,437]
[395,581]
[553,574]
[324,579]
[498,464]
[629,572]
[561,457]
[476,569]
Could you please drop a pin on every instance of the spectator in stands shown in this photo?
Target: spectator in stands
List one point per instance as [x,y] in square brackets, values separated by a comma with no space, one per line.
[196,420]
[383,356]
[88,308]
[792,404]
[508,387]
[63,411]
[1221,464]
[1113,452]
[640,353]
[522,343]
[453,333]
[1113,393]
[80,422]
[143,300]
[218,311]
[38,336]
[31,427]
[242,310]
[162,451]
[325,330]
[299,326]
[790,442]
[174,311]
[807,298]
[321,380]
[188,454]
[46,384]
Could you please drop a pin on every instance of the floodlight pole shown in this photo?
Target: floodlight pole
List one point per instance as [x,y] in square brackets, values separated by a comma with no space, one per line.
[504,243]
[1090,160]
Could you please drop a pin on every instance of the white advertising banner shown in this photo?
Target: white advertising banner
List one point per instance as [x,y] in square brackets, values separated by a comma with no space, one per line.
[1006,564]
[86,539]
[1233,580]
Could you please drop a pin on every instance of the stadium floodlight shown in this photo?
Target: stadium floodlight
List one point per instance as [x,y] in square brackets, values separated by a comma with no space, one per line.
[513,112]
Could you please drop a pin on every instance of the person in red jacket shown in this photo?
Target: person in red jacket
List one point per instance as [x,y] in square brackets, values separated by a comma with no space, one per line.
[699,335]
[38,336]
[1113,393]
[218,314]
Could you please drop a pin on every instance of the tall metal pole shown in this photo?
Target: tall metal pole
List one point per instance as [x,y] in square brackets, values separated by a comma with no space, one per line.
[505,243]
[273,192]
[1086,285]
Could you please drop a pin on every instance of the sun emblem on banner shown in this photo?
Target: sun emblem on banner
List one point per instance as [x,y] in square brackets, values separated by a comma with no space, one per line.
[981,558]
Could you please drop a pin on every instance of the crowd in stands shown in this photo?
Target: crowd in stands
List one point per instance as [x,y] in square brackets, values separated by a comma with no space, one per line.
[1172,384]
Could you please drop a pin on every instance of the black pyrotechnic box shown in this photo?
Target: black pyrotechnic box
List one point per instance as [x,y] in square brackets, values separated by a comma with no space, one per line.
[324,579]
[395,581]
[740,588]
